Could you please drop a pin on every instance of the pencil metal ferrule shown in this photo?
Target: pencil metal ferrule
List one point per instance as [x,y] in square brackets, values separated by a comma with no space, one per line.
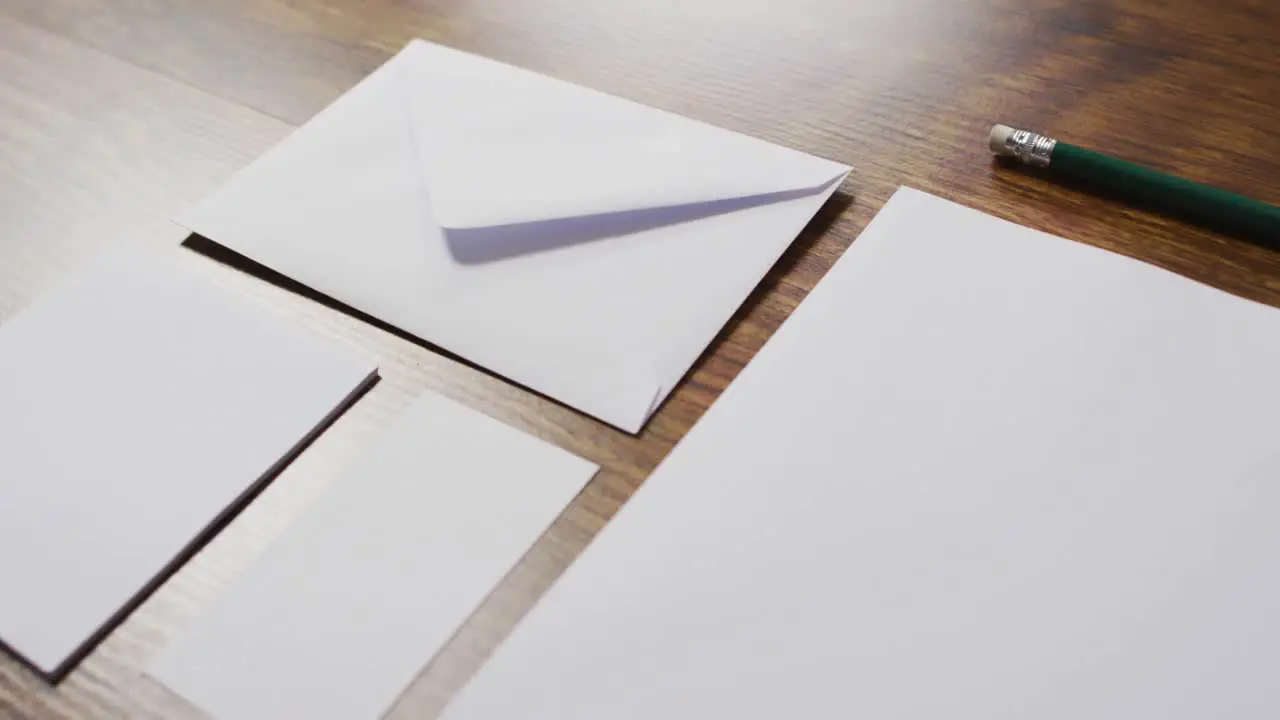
[1030,148]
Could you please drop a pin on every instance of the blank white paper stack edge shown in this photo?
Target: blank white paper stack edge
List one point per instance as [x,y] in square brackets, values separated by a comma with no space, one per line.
[339,616]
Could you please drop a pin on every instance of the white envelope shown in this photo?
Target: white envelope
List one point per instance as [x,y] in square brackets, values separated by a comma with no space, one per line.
[581,245]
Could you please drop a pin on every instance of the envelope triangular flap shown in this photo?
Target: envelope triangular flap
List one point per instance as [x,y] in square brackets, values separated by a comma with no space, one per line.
[500,145]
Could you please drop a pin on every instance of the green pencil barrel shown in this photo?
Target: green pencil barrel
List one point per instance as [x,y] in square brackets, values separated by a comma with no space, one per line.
[1199,203]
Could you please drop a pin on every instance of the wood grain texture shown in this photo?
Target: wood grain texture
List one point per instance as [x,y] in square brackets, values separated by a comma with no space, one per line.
[114,112]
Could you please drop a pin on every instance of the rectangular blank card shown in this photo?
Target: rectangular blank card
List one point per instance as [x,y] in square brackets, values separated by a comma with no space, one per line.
[338,617]
[981,473]
[139,407]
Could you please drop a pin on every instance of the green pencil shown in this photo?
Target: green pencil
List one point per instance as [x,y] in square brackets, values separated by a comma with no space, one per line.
[1199,203]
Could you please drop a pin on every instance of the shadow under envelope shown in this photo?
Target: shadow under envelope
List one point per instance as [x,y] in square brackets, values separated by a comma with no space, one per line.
[474,246]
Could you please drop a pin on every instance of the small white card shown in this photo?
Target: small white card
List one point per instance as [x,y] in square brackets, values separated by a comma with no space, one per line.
[339,615]
[139,405]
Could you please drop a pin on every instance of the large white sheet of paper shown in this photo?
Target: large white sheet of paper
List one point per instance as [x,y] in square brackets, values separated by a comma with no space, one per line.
[340,615]
[982,473]
[579,244]
[139,405]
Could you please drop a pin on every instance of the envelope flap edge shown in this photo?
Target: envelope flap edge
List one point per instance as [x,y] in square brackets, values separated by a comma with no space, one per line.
[510,146]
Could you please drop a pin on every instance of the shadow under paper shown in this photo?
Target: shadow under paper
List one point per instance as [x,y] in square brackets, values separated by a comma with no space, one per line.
[474,246]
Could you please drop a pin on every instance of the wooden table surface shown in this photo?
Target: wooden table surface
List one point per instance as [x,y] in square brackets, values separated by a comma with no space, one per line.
[114,113]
